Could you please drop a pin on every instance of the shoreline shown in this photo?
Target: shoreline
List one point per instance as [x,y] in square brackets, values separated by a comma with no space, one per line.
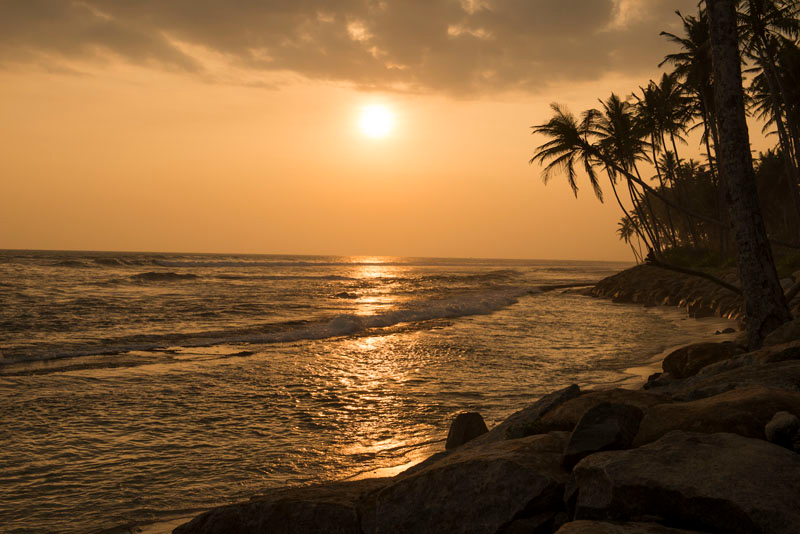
[721,398]
[638,375]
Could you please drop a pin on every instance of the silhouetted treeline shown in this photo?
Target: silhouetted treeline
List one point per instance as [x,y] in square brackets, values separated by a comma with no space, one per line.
[637,144]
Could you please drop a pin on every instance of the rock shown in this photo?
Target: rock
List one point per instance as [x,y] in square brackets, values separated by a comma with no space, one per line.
[465,427]
[522,423]
[742,411]
[772,354]
[538,524]
[658,380]
[477,489]
[780,375]
[604,427]
[687,361]
[784,334]
[782,429]
[786,283]
[698,309]
[566,416]
[335,508]
[602,527]
[715,482]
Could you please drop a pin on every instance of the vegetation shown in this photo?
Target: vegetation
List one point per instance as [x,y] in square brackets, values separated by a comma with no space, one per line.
[636,145]
[707,206]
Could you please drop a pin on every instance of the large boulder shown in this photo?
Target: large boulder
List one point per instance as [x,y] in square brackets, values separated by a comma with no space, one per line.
[476,490]
[740,411]
[779,375]
[771,354]
[604,427]
[604,527]
[566,416]
[523,422]
[687,361]
[335,508]
[784,334]
[465,427]
[782,429]
[715,482]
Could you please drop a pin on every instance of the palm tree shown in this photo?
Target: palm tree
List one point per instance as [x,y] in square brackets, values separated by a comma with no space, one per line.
[764,23]
[571,144]
[765,306]
[621,138]
[568,146]
[693,66]
[626,229]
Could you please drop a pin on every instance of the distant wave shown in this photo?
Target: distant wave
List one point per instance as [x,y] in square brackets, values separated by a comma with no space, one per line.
[163,277]
[291,263]
[123,262]
[71,263]
[282,277]
[477,303]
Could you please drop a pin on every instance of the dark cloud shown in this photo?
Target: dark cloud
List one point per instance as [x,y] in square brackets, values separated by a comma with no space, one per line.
[454,46]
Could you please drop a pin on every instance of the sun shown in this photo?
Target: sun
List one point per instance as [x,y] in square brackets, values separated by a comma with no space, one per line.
[376,121]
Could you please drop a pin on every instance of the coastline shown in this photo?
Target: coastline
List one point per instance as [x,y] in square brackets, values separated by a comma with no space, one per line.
[709,418]
[638,375]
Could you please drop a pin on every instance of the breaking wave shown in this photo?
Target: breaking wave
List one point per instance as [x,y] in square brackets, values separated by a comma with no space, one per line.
[476,303]
[163,277]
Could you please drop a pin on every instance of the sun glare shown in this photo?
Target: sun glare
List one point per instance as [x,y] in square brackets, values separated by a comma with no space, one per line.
[376,121]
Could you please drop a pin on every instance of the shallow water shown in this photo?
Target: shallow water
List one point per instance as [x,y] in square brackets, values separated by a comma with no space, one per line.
[127,399]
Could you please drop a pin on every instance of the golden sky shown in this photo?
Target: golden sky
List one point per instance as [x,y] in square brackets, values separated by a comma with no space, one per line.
[233,126]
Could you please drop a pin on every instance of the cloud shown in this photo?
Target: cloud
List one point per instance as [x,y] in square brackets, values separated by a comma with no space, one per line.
[463,47]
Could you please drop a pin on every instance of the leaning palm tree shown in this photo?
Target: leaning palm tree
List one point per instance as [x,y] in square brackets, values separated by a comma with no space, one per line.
[621,138]
[568,147]
[571,144]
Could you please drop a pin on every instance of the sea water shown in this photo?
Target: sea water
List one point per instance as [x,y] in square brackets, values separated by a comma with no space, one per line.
[139,387]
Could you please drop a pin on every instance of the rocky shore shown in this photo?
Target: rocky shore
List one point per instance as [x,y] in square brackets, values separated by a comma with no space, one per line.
[655,286]
[708,445]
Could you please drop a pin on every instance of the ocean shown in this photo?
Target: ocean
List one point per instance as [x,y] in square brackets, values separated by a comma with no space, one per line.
[136,388]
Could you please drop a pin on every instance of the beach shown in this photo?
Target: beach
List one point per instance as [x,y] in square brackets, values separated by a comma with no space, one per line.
[135,411]
[708,442]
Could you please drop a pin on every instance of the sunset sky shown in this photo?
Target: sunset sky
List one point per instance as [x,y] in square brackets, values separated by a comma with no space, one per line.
[236,126]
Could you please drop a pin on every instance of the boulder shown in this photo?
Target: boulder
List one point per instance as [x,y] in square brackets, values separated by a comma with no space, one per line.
[523,423]
[465,427]
[714,482]
[780,375]
[603,527]
[335,508]
[687,361]
[740,411]
[785,333]
[477,489]
[538,524]
[658,380]
[698,309]
[770,354]
[566,416]
[604,427]
[782,429]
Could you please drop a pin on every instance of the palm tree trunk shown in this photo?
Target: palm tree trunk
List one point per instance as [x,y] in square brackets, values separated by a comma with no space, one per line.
[622,207]
[671,224]
[765,306]
[599,156]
